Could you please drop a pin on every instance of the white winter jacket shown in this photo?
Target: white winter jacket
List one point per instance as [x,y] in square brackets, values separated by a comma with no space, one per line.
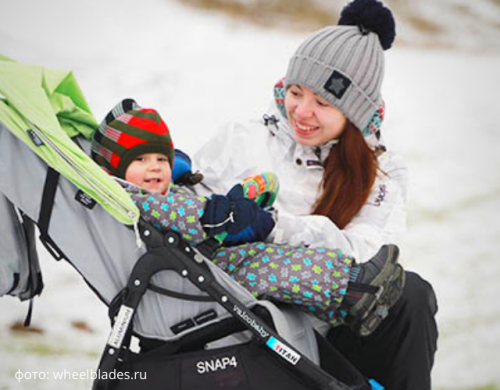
[242,150]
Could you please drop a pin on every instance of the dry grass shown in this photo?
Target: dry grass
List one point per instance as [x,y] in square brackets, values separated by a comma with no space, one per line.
[270,13]
[424,25]
[19,328]
[299,13]
[308,15]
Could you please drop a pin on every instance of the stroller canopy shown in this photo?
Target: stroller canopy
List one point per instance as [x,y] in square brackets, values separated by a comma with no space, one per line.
[45,108]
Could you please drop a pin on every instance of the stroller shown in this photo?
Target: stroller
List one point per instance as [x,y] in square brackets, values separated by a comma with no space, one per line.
[197,328]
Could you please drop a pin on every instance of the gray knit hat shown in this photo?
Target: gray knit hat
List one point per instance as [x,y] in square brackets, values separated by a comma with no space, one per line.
[344,64]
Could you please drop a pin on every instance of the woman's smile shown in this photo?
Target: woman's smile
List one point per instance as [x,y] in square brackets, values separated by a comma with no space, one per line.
[304,129]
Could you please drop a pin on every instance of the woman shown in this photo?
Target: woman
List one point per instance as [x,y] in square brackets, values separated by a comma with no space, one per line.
[340,187]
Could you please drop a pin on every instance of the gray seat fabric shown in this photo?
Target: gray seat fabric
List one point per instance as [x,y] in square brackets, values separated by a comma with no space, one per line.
[19,268]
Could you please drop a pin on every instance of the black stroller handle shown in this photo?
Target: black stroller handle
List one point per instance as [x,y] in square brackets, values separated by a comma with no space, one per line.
[170,252]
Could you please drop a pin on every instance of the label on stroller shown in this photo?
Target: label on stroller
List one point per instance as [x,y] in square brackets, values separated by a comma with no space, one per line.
[182,326]
[283,350]
[37,141]
[216,370]
[218,364]
[85,200]
[250,321]
[120,327]
[191,322]
[205,317]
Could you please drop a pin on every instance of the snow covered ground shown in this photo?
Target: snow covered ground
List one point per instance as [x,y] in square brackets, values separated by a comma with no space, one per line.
[201,70]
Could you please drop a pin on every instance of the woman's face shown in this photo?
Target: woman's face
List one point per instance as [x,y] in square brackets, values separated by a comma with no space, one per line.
[313,120]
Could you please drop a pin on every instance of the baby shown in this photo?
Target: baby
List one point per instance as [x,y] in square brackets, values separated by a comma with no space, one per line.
[137,147]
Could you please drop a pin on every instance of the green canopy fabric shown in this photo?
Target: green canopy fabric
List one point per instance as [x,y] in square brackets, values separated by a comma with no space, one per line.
[50,104]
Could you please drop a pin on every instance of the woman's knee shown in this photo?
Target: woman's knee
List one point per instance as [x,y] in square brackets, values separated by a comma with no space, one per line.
[418,295]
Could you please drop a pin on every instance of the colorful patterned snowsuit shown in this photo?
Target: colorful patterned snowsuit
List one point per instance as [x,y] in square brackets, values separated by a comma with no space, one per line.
[314,279]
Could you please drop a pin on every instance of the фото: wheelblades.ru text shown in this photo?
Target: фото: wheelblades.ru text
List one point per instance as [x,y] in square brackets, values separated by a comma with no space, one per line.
[80,375]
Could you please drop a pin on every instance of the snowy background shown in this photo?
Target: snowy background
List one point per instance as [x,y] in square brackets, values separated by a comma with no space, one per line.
[201,69]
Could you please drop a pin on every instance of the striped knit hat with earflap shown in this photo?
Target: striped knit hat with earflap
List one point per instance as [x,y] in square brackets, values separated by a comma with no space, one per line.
[137,131]
[344,64]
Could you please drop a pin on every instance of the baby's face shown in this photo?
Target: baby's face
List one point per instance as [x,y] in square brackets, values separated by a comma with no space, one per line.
[150,171]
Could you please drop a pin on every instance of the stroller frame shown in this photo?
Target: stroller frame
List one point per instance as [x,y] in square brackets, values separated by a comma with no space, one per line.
[170,252]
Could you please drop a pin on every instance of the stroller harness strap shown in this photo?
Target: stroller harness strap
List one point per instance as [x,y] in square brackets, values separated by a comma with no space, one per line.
[48,197]
[178,295]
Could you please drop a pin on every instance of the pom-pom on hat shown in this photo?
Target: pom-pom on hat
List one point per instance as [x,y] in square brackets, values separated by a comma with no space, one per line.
[135,132]
[344,64]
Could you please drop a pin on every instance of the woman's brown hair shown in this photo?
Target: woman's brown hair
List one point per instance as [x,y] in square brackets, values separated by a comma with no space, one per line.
[350,171]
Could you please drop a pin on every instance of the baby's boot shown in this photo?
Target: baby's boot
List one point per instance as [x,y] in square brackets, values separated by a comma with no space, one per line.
[375,286]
